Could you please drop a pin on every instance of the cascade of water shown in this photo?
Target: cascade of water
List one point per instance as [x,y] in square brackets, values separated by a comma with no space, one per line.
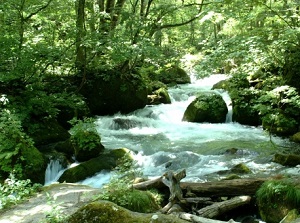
[160,136]
[228,102]
[53,172]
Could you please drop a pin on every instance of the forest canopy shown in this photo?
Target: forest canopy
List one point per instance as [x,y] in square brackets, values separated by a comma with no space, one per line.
[51,50]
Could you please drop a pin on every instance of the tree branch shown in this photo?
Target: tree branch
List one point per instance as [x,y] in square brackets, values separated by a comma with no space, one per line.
[37,11]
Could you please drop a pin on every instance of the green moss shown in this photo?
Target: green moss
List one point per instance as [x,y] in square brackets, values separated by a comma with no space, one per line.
[296,137]
[163,95]
[207,107]
[34,164]
[87,144]
[108,212]
[232,177]
[88,169]
[135,200]
[275,199]
[240,168]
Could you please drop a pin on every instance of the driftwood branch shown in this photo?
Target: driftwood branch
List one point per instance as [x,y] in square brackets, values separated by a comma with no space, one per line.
[234,187]
[197,219]
[193,196]
[219,208]
[149,184]
[172,180]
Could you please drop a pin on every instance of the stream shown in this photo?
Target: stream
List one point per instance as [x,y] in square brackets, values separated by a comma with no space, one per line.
[160,138]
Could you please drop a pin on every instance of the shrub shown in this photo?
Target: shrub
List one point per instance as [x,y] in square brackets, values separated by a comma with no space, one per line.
[85,139]
[276,198]
[120,191]
[14,190]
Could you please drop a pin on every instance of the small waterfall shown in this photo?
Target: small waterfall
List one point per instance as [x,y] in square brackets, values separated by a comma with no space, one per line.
[228,102]
[53,172]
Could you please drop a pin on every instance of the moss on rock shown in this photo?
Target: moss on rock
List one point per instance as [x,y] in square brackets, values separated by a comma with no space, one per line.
[207,107]
[287,159]
[107,212]
[159,96]
[241,168]
[109,92]
[34,164]
[296,137]
[106,161]
[174,74]
[87,145]
[47,132]
[275,199]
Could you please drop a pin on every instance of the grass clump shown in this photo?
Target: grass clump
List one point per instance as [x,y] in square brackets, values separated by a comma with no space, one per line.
[275,198]
[14,191]
[120,190]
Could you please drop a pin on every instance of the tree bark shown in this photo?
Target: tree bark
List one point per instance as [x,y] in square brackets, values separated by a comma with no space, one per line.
[224,188]
[80,49]
[235,187]
[218,208]
[172,180]
[197,219]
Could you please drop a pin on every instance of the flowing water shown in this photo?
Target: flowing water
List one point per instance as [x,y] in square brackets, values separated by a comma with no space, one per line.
[159,139]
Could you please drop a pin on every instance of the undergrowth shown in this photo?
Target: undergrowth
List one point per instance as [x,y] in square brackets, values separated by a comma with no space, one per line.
[14,191]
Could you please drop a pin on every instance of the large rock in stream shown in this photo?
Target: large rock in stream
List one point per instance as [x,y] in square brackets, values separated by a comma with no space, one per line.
[207,107]
[109,93]
[89,168]
[107,212]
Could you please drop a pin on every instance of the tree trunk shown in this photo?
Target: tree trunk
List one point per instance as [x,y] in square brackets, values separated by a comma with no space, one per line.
[235,187]
[224,188]
[197,219]
[80,49]
[219,208]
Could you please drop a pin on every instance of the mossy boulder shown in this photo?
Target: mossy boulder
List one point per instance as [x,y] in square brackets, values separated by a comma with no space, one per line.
[240,168]
[65,147]
[134,200]
[159,96]
[124,123]
[34,164]
[287,159]
[223,84]
[87,145]
[296,137]
[47,131]
[207,107]
[106,161]
[174,74]
[69,111]
[292,216]
[107,212]
[109,92]
[276,199]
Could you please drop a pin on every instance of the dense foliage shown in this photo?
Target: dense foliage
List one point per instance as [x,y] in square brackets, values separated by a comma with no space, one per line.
[51,50]
[14,191]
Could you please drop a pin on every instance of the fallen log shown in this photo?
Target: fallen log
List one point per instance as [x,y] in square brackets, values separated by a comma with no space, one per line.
[236,187]
[218,208]
[172,180]
[150,184]
[226,188]
[198,219]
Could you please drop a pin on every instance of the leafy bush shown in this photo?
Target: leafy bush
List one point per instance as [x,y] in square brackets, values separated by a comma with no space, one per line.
[85,139]
[120,191]
[275,198]
[14,190]
[13,140]
[280,110]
